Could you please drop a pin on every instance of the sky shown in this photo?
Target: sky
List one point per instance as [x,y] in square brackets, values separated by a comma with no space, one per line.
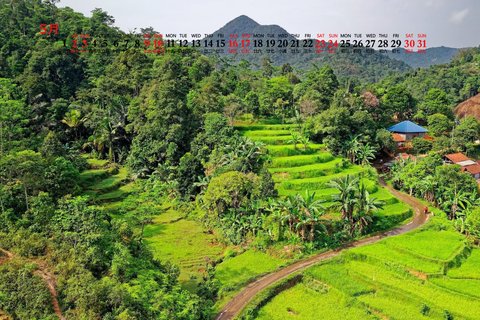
[451,23]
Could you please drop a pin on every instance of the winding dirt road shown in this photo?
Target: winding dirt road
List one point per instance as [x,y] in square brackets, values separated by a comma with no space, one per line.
[241,300]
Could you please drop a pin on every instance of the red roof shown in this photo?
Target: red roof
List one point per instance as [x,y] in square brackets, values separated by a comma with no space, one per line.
[473,169]
[398,137]
[457,157]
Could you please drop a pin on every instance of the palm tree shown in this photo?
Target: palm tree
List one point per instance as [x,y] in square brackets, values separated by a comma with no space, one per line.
[305,141]
[396,172]
[365,207]
[427,188]
[302,223]
[365,153]
[277,215]
[312,209]
[290,209]
[454,201]
[351,148]
[345,199]
[295,139]
[73,119]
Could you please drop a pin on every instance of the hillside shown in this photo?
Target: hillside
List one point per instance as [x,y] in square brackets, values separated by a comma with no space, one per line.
[147,185]
[469,107]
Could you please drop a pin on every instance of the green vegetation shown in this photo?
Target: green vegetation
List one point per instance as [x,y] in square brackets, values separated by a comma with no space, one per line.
[446,186]
[128,186]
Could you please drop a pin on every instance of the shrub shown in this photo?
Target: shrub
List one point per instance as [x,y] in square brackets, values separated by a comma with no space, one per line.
[231,189]
[447,315]
[425,309]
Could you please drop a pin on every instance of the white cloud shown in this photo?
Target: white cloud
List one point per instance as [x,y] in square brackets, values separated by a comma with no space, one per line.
[458,16]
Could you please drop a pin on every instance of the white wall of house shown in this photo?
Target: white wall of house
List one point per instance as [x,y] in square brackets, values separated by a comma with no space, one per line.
[410,136]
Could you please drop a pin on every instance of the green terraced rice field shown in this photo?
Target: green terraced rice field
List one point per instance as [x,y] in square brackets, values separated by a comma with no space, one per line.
[470,287]
[295,169]
[440,245]
[290,150]
[266,133]
[302,302]
[301,160]
[387,280]
[470,269]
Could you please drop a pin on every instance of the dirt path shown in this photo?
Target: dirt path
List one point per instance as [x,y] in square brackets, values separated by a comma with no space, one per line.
[43,273]
[50,281]
[241,300]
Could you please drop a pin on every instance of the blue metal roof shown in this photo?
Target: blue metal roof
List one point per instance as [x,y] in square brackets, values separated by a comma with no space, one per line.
[407,127]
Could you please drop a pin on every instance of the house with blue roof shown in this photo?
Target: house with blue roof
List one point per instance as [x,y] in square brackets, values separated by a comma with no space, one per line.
[405,131]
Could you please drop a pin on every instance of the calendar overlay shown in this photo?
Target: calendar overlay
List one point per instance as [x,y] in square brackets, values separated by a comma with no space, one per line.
[247,43]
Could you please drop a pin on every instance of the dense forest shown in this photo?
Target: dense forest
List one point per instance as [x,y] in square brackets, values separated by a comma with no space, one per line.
[169,120]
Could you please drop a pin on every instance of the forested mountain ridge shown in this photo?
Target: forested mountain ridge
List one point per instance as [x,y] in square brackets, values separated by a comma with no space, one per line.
[431,56]
[362,66]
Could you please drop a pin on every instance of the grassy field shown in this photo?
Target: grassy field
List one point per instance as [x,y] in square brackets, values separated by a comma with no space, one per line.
[171,237]
[104,184]
[183,242]
[403,277]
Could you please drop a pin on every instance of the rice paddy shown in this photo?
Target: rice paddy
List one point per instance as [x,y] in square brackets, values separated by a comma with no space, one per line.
[296,168]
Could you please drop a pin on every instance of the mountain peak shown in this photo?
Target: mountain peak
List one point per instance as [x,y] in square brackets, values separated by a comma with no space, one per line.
[242,22]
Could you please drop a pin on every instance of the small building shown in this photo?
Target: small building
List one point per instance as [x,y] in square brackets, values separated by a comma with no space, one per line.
[473,169]
[458,158]
[467,164]
[406,131]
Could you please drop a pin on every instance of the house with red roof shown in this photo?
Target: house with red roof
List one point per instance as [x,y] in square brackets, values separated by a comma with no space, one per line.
[466,164]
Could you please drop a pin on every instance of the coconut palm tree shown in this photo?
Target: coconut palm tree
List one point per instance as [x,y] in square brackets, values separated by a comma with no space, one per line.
[311,210]
[73,119]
